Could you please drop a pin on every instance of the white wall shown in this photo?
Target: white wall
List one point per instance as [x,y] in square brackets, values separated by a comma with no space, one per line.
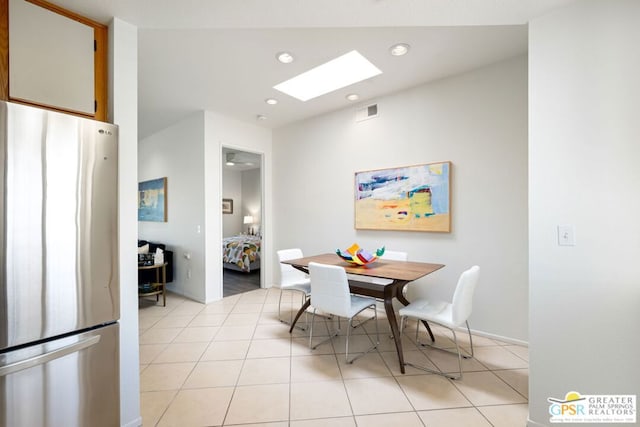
[123,103]
[478,121]
[251,197]
[583,170]
[244,188]
[189,155]
[177,153]
[232,189]
[219,131]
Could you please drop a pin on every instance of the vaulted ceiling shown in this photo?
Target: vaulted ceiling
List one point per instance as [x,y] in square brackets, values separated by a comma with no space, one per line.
[219,55]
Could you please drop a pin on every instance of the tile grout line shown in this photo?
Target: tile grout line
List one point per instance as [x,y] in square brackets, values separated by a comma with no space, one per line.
[176,391]
[512,387]
[244,360]
[395,378]
[290,338]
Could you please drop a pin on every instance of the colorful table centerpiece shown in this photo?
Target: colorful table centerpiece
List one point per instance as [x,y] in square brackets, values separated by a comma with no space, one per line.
[358,256]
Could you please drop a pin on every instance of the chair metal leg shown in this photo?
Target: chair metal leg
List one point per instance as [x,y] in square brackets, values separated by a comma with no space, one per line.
[458,352]
[370,348]
[366,320]
[464,356]
[349,326]
[362,322]
[313,347]
[313,318]
[279,302]
[455,340]
[302,328]
[303,299]
[470,340]
[375,315]
[346,356]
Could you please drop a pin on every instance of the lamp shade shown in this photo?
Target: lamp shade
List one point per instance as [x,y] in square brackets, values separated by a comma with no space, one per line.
[248,219]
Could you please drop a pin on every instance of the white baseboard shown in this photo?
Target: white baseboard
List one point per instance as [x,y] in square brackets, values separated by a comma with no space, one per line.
[509,340]
[498,337]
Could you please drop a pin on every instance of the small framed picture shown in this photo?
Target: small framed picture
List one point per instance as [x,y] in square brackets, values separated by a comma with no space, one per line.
[227,206]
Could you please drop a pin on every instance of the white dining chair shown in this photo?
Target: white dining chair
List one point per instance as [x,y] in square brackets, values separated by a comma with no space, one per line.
[330,294]
[450,315]
[292,279]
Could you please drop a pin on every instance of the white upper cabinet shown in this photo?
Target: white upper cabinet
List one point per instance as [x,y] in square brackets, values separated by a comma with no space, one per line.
[51,59]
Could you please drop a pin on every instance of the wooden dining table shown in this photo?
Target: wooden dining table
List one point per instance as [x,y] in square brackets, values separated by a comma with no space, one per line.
[397,273]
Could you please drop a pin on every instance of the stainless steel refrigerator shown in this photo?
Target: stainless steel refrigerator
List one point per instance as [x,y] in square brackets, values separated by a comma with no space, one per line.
[59,285]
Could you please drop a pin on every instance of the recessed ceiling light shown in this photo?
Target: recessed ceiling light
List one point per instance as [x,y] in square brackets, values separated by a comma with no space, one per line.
[284,57]
[340,72]
[352,97]
[229,163]
[261,117]
[399,49]
[271,101]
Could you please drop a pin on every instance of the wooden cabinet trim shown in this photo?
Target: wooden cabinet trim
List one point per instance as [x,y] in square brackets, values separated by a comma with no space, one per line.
[64,12]
[100,35]
[4,50]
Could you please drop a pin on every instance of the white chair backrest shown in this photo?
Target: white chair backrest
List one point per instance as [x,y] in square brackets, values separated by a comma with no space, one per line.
[395,255]
[463,295]
[289,275]
[329,289]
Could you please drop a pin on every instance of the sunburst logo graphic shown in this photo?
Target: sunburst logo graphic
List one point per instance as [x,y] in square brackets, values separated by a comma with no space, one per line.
[572,396]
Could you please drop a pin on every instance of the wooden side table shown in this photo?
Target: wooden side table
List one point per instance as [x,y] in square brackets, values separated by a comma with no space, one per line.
[157,288]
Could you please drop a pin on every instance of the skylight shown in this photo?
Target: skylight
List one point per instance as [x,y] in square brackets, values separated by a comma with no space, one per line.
[343,71]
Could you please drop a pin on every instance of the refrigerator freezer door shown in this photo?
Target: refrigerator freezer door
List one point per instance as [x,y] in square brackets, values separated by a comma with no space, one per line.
[58,228]
[68,382]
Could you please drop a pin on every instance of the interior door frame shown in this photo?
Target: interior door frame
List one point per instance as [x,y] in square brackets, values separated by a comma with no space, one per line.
[262,210]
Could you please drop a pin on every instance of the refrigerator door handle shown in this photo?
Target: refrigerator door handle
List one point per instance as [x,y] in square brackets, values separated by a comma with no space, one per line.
[47,357]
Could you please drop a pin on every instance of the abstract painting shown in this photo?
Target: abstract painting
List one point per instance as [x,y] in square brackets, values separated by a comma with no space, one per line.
[152,200]
[411,198]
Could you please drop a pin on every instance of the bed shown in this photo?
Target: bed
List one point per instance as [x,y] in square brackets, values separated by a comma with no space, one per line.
[241,253]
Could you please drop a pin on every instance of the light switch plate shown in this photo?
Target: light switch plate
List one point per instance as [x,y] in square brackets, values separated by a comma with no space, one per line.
[566,235]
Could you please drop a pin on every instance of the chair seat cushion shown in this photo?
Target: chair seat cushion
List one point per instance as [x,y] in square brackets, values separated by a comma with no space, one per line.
[434,311]
[302,287]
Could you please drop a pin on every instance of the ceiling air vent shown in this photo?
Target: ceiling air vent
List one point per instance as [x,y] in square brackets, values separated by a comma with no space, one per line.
[366,113]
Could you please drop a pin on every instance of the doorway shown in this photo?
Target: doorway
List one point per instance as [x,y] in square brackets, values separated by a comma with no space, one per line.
[242,202]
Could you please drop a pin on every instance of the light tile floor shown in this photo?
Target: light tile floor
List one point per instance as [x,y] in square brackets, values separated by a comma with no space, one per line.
[233,363]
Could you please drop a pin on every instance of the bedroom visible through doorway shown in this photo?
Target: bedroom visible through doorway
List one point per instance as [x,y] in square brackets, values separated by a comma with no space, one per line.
[241,220]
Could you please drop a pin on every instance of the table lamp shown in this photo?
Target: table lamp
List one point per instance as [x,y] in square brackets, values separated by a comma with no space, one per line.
[248,219]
